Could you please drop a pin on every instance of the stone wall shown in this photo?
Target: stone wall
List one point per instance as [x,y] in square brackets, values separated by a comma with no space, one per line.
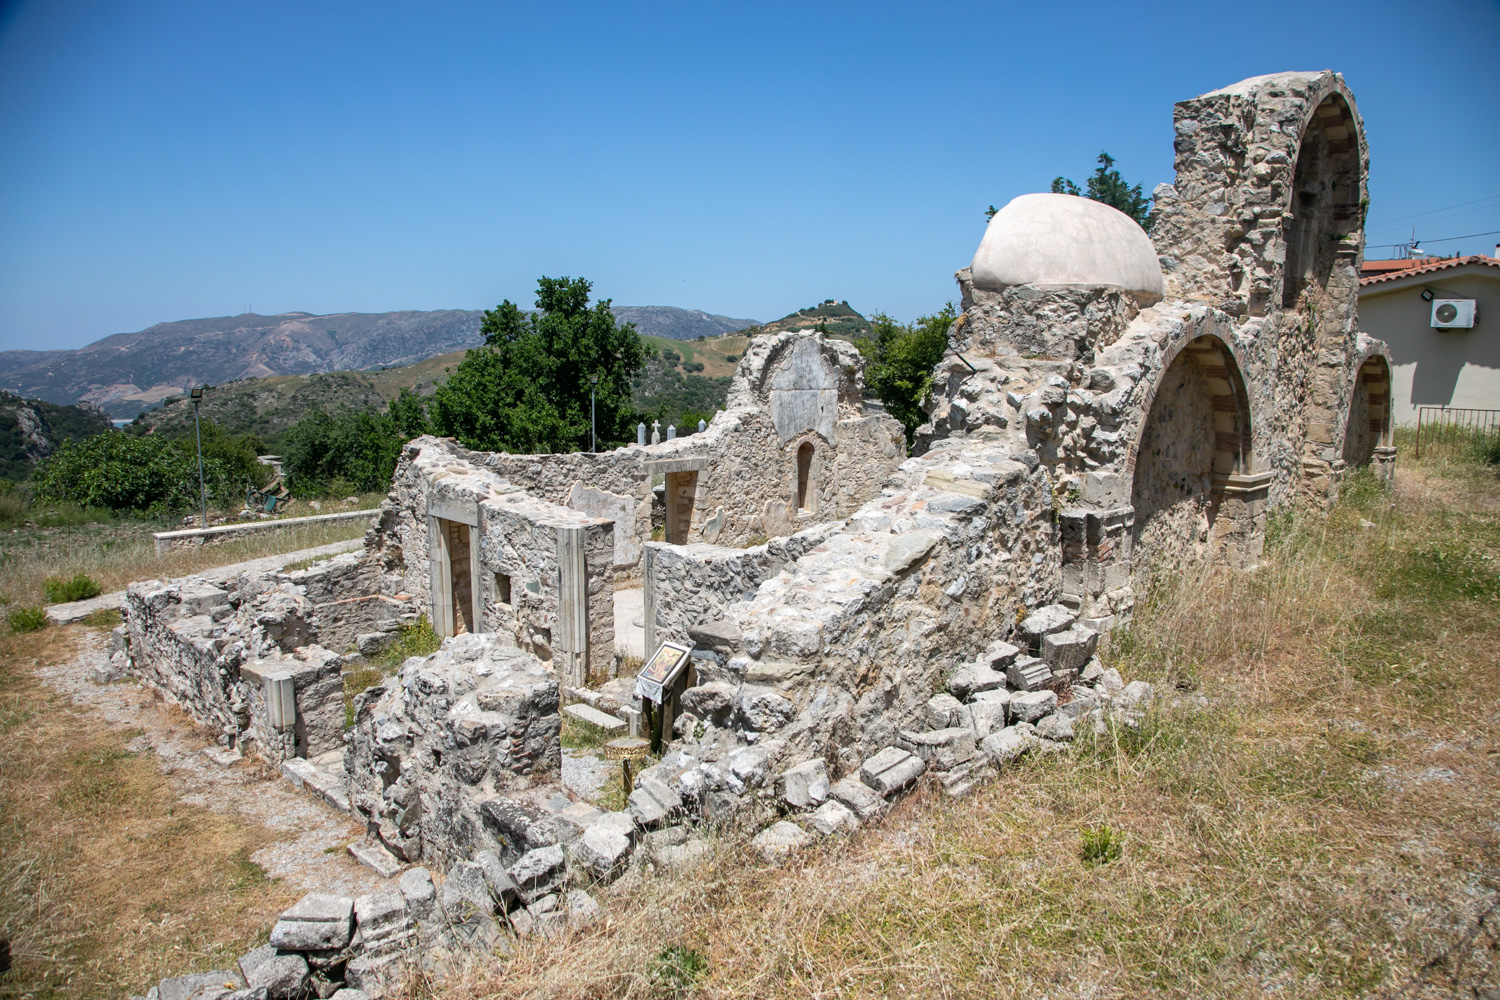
[452,755]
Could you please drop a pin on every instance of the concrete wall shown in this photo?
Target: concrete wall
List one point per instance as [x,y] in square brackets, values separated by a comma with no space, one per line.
[1459,368]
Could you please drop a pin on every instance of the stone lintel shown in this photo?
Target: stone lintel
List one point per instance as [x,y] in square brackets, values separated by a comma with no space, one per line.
[687,464]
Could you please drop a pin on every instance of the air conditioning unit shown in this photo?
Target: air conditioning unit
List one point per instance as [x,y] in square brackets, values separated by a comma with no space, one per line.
[1454,314]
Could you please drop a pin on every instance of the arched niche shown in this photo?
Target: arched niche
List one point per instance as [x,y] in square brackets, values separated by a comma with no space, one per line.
[1191,466]
[806,497]
[1368,425]
[1325,203]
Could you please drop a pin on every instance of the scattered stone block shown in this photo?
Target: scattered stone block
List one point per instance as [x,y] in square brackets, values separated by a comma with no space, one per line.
[944,710]
[418,891]
[502,888]
[833,817]
[602,851]
[1045,621]
[1008,744]
[963,779]
[1033,705]
[863,800]
[539,872]
[1092,671]
[1111,682]
[582,908]
[998,655]
[375,857]
[1070,649]
[1135,693]
[283,975]
[891,770]
[779,840]
[1028,673]
[466,891]
[906,550]
[988,712]
[184,987]
[591,716]
[941,747]
[652,802]
[320,922]
[1082,703]
[1056,727]
[805,785]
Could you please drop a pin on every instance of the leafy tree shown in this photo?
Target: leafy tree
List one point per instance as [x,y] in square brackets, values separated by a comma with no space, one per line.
[900,360]
[150,474]
[1106,185]
[409,414]
[345,451]
[527,389]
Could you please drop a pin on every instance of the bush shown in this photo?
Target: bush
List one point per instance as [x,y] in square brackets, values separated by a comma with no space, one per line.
[63,591]
[1100,846]
[27,619]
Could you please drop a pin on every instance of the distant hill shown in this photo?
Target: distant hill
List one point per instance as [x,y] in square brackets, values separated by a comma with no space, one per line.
[127,373]
[831,316]
[31,429]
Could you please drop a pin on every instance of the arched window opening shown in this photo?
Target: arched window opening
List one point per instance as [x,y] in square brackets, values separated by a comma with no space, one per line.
[804,474]
[1369,423]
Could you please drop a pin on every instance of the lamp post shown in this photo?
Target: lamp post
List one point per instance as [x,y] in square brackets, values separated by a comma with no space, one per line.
[593,428]
[197,395]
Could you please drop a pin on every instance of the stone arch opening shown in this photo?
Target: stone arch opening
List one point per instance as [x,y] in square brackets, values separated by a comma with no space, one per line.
[1193,451]
[804,474]
[1368,426]
[1325,199]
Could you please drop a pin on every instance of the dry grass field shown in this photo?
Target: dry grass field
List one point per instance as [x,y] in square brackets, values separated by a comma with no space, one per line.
[1313,811]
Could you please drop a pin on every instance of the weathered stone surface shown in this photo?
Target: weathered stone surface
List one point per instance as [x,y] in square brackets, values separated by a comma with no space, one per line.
[466,892]
[906,550]
[833,817]
[709,701]
[779,840]
[944,710]
[1045,621]
[891,770]
[283,974]
[582,908]
[418,891]
[1028,673]
[348,994]
[502,888]
[593,717]
[997,656]
[1008,744]
[863,800]
[652,802]
[374,856]
[942,748]
[185,987]
[1033,705]
[1135,693]
[601,851]
[1069,649]
[1056,727]
[805,785]
[988,711]
[761,709]
[539,872]
[319,922]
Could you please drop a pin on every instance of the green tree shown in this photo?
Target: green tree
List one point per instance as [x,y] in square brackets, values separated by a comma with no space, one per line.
[527,389]
[348,450]
[150,474]
[900,360]
[1106,185]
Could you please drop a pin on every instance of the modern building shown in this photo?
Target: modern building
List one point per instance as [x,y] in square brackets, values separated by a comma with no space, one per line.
[1441,320]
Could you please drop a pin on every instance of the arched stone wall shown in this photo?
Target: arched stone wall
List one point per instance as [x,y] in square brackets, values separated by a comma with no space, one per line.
[1367,431]
[1323,205]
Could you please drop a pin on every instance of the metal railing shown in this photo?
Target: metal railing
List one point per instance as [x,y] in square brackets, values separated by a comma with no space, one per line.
[1444,423]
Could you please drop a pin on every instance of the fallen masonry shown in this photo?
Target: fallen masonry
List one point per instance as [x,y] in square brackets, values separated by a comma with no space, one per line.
[856,619]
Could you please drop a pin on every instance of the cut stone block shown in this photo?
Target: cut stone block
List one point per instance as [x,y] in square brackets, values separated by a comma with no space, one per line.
[1033,705]
[999,655]
[602,851]
[988,712]
[466,892]
[833,817]
[1111,682]
[652,802]
[418,891]
[1028,674]
[1070,649]
[540,872]
[1008,744]
[942,711]
[582,909]
[1092,671]
[183,987]
[319,922]
[777,841]
[1056,727]
[891,770]
[297,771]
[283,975]
[589,715]
[1044,621]
[858,796]
[1135,693]
[375,857]
[941,747]
[805,785]
[502,888]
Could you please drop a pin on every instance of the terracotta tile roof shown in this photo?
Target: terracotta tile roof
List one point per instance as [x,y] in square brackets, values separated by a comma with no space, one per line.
[1370,267]
[1437,265]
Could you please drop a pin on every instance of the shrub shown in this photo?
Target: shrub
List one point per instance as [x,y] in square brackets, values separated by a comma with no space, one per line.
[678,967]
[1100,846]
[80,587]
[27,619]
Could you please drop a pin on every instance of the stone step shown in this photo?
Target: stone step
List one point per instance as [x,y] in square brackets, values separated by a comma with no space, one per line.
[590,715]
[375,857]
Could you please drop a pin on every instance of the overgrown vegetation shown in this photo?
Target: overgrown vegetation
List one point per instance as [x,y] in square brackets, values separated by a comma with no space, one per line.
[333,455]
[78,587]
[900,360]
[1105,184]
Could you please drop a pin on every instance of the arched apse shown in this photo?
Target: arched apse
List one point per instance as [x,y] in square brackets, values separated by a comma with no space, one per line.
[1325,204]
[1368,425]
[1195,439]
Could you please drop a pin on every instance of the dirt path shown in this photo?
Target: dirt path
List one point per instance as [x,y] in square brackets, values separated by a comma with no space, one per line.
[308,853]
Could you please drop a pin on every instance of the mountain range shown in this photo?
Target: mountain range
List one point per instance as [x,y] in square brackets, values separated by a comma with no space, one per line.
[126,373]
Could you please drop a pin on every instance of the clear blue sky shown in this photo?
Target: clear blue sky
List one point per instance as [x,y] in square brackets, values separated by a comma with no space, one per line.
[164,161]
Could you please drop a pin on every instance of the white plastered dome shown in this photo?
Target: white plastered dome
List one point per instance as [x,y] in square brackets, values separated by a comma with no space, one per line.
[1064,240]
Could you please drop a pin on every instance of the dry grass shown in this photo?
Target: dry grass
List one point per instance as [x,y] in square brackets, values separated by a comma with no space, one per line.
[106,878]
[116,554]
[1324,827]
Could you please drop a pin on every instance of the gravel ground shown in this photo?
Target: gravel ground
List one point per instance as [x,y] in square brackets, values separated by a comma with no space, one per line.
[584,774]
[306,827]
